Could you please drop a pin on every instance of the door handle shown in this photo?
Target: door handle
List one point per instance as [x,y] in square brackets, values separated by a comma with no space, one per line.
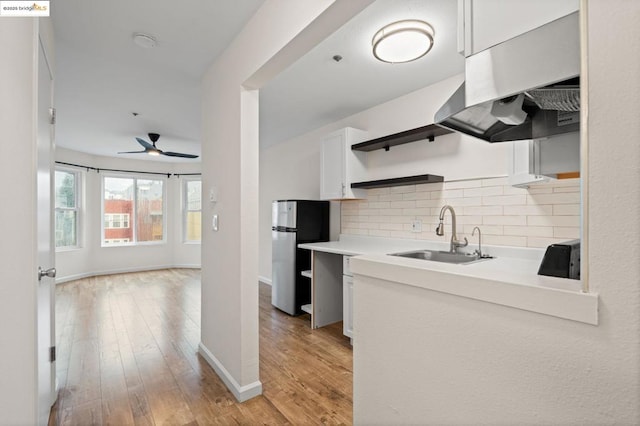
[51,273]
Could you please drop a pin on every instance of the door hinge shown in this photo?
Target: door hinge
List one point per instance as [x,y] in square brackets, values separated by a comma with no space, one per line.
[52,354]
[52,115]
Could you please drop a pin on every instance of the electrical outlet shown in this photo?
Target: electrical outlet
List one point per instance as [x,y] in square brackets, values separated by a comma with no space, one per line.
[416,226]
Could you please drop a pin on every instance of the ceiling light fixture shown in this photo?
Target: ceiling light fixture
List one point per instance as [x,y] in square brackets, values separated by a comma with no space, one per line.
[403,41]
[144,40]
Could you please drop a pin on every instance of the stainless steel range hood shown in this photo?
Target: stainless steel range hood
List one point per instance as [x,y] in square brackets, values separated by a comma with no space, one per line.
[524,88]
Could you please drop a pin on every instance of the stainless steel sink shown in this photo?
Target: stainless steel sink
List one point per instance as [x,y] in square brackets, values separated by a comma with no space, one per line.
[442,256]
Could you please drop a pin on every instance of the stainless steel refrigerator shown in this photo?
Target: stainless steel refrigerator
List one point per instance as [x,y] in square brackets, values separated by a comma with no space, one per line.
[295,222]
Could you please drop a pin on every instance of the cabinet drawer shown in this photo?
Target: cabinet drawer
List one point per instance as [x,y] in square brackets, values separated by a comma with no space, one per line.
[346,266]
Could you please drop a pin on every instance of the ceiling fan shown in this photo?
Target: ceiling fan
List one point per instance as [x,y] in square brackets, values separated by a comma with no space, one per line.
[150,148]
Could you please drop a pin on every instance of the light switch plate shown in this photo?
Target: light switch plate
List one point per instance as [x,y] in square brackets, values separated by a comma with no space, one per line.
[416,226]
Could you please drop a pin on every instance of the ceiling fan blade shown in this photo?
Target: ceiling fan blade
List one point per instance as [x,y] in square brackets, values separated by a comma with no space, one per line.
[178,154]
[132,152]
[145,144]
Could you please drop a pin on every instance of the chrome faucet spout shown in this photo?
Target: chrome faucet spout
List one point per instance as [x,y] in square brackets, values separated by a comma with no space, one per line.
[455,243]
[479,251]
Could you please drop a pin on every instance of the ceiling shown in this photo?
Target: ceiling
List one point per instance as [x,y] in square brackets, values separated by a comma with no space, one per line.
[102,77]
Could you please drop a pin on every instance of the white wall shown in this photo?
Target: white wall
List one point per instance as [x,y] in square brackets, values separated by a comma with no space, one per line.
[460,361]
[230,165]
[93,259]
[291,168]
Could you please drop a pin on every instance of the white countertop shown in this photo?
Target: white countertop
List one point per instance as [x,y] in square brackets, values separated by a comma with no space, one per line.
[509,279]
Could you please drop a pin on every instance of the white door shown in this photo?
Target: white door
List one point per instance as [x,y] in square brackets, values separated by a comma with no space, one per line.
[46,252]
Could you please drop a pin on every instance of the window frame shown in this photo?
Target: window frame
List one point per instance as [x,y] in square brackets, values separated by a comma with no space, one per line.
[133,223]
[185,208]
[77,188]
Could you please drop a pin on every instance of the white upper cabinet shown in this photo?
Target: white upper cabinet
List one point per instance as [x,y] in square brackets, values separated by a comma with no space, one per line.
[340,166]
[485,23]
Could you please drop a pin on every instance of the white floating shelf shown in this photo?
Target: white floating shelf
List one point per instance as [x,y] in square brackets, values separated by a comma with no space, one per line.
[307,308]
[306,273]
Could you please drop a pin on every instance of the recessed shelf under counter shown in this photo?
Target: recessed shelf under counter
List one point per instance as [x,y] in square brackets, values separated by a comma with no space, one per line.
[407,180]
[429,133]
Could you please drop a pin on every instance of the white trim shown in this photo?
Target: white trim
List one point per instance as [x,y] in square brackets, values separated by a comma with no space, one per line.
[74,277]
[242,393]
[265,280]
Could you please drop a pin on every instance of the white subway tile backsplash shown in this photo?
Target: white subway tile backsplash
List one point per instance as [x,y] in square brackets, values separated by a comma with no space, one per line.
[535,217]
[566,210]
[529,231]
[450,193]
[386,197]
[541,242]
[392,226]
[483,210]
[556,198]
[378,191]
[566,232]
[553,220]
[423,195]
[379,205]
[485,229]
[402,189]
[485,191]
[423,211]
[503,200]
[461,202]
[504,220]
[566,189]
[429,203]
[531,210]
[505,240]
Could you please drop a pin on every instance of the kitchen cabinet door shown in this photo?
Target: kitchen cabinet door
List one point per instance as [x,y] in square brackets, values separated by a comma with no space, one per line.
[347,304]
[339,165]
[486,23]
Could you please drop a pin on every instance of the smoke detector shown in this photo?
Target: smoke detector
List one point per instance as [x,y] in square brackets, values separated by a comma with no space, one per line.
[144,40]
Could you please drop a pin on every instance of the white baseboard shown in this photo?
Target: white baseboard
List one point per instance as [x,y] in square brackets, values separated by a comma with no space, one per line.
[242,393]
[74,277]
[265,280]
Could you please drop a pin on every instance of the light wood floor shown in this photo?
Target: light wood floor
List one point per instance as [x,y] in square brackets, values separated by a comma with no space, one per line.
[127,354]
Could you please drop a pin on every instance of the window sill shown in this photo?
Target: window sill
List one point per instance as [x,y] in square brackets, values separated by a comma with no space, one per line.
[69,248]
[148,243]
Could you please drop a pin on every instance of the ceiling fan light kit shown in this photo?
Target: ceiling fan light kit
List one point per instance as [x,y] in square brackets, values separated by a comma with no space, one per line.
[151,149]
[403,41]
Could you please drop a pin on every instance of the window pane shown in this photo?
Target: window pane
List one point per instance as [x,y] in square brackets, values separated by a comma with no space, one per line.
[65,188]
[194,226]
[66,228]
[194,195]
[118,199]
[149,223]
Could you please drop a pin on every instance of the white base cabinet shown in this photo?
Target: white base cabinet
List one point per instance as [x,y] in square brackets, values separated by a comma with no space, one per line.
[347,298]
[347,306]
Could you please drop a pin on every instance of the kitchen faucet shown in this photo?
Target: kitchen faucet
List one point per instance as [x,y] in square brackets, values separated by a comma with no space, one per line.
[455,242]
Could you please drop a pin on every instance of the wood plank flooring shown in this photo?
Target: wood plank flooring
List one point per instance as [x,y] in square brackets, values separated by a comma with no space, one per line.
[127,355]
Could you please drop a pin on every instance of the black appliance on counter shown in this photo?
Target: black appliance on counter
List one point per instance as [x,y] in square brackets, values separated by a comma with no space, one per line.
[562,260]
[294,222]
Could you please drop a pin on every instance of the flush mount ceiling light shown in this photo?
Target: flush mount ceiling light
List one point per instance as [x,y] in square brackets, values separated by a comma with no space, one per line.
[403,41]
[144,40]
